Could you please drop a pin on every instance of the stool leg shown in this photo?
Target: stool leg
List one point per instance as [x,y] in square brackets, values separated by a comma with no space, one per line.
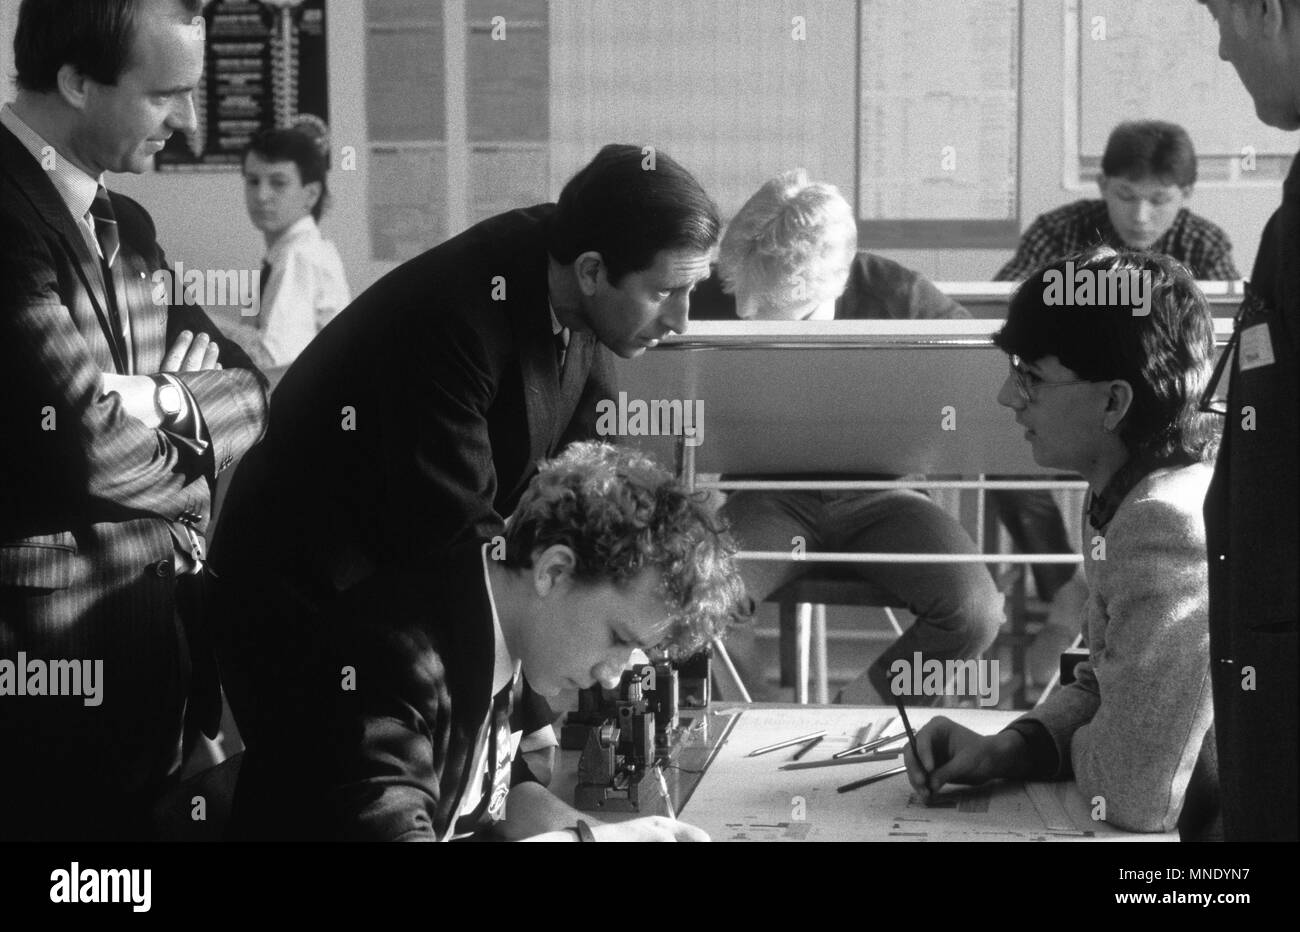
[802,636]
[725,657]
[788,646]
[819,653]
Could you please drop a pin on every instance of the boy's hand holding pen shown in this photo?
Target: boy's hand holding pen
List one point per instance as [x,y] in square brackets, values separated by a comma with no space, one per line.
[945,752]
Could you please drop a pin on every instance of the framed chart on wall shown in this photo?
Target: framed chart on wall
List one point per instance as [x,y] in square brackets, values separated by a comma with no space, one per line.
[264,66]
[1155,60]
[938,148]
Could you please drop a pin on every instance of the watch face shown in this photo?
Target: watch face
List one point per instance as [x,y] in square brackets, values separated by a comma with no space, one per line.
[169,400]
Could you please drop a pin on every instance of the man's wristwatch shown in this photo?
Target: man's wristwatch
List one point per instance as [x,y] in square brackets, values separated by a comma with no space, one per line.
[167,398]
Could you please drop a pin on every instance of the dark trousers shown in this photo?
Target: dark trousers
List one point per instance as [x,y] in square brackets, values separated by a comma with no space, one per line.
[958,608]
[1036,526]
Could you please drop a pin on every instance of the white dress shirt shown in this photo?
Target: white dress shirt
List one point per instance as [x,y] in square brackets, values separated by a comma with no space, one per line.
[306,288]
[505,671]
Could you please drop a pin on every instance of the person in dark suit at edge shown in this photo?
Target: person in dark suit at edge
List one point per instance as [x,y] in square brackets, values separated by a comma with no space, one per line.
[414,420]
[120,410]
[1252,524]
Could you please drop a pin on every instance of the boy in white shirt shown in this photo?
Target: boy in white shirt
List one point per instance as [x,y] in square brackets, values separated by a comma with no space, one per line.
[302,282]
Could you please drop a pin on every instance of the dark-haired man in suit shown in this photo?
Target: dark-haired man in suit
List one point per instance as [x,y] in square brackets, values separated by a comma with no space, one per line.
[414,420]
[117,417]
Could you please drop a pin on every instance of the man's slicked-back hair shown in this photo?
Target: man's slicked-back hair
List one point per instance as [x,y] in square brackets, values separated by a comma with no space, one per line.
[628,204]
[792,242]
[94,36]
[621,513]
[1166,355]
[1143,149]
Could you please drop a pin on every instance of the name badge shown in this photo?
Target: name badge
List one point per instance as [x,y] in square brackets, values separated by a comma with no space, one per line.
[1256,349]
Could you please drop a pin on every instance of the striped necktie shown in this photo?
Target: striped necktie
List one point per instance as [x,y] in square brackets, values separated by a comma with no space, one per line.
[105,226]
[101,210]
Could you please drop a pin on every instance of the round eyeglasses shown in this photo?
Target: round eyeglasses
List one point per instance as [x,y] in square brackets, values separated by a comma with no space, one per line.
[1027,383]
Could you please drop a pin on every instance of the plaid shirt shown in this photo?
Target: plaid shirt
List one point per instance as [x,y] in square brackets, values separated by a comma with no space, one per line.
[1192,240]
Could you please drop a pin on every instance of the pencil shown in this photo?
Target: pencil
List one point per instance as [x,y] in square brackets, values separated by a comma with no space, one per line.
[808,747]
[871,758]
[869,746]
[911,738]
[785,744]
[866,781]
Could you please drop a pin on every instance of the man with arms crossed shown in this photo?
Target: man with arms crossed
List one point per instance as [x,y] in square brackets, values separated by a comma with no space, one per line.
[118,416]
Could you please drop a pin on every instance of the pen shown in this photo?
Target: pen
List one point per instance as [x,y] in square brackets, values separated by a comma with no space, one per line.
[663,788]
[858,784]
[807,747]
[785,744]
[911,738]
[869,746]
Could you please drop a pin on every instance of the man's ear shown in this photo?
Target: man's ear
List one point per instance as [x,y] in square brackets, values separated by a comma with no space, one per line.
[1187,191]
[1271,17]
[72,85]
[552,567]
[1118,400]
[588,269]
[1103,182]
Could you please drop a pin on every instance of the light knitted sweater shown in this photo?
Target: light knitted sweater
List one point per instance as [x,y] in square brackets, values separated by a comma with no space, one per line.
[1130,727]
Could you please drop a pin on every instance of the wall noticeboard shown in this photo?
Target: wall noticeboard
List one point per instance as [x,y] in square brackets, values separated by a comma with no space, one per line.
[264,66]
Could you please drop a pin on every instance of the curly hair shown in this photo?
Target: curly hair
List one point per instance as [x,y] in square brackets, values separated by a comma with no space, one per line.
[621,513]
[792,242]
[1166,355]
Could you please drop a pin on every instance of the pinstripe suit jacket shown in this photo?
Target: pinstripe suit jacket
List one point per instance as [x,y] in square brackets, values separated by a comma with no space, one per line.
[88,496]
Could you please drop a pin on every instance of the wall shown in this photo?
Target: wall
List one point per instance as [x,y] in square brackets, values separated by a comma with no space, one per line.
[201,218]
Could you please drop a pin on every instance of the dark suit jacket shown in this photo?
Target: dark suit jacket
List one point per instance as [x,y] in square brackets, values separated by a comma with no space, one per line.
[88,496]
[1252,525]
[412,422]
[392,758]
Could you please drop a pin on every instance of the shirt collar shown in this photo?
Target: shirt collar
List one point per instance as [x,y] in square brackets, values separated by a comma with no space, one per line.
[1103,505]
[505,667]
[303,227]
[75,187]
[556,327]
